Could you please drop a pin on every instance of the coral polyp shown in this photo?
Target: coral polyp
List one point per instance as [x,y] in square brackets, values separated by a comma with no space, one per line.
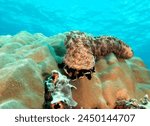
[84,50]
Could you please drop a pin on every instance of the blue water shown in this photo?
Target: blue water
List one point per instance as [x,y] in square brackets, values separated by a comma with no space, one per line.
[129,20]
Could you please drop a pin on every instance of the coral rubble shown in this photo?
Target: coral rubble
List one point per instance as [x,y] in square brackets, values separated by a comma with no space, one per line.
[133,103]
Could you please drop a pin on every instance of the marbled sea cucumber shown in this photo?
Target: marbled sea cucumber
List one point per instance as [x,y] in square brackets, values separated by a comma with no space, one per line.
[103,45]
[84,50]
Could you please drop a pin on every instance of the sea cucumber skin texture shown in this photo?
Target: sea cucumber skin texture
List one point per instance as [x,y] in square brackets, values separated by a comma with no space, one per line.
[83,49]
[101,46]
[79,54]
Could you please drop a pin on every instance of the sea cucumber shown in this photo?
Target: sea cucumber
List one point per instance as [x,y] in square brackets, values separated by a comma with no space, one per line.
[103,45]
[84,50]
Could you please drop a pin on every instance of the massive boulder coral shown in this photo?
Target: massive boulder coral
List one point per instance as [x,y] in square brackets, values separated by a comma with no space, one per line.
[25,58]
[21,81]
[114,79]
[21,68]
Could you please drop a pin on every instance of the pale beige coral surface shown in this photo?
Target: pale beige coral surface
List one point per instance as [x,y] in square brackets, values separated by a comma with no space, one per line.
[25,57]
[114,79]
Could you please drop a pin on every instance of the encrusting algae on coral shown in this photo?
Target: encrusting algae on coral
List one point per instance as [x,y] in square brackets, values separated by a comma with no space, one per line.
[58,92]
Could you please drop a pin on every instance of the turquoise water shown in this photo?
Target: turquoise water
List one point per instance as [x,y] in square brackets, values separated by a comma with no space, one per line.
[128,20]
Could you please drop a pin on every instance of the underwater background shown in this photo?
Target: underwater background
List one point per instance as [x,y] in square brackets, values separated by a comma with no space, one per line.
[128,20]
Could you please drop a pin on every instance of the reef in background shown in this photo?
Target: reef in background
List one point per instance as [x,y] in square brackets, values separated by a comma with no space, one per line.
[25,58]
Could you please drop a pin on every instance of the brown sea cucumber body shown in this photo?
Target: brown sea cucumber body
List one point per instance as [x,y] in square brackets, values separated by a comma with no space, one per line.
[83,50]
[79,53]
[101,46]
